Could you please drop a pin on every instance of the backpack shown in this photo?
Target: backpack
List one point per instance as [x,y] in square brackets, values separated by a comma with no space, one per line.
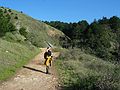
[45,55]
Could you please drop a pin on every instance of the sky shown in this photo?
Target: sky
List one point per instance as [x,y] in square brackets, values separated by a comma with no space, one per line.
[65,10]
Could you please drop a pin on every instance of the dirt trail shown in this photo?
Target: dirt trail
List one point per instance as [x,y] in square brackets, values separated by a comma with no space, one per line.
[28,79]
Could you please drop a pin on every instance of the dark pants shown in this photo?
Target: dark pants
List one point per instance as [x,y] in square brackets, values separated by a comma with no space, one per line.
[45,61]
[47,68]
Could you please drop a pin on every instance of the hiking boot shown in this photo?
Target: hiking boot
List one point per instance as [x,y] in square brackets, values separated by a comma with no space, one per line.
[47,69]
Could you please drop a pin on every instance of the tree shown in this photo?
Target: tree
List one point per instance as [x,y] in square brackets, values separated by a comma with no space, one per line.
[9,10]
[114,22]
[104,20]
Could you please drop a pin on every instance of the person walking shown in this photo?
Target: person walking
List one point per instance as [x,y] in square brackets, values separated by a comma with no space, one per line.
[48,59]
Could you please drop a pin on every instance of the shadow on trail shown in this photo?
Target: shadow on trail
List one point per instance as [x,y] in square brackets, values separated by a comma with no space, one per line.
[34,69]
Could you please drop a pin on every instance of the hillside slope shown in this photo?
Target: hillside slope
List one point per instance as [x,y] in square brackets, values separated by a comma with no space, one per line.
[21,44]
[38,32]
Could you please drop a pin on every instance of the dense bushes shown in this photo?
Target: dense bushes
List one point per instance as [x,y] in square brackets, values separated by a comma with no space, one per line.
[80,71]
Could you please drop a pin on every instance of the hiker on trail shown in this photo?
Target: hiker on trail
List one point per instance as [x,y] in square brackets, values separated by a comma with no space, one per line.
[48,58]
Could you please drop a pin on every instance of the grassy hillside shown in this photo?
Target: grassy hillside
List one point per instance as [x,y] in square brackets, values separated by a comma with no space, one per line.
[20,39]
[80,71]
[38,32]
[13,56]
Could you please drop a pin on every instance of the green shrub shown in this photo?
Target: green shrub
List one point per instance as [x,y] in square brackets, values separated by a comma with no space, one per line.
[16,17]
[9,10]
[23,31]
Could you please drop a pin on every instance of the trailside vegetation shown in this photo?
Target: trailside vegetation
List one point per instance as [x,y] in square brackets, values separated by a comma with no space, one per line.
[80,71]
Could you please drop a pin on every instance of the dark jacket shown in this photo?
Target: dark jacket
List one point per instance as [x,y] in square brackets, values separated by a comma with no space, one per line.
[46,54]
